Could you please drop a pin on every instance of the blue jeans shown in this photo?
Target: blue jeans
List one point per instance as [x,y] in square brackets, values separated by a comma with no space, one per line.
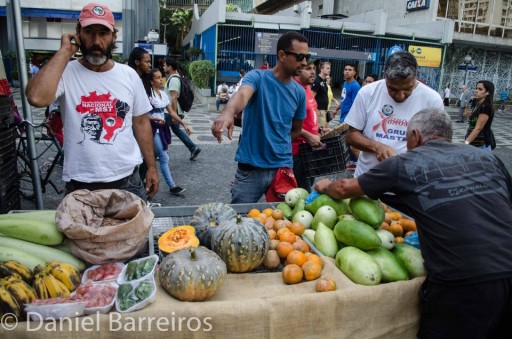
[183,136]
[486,148]
[250,185]
[163,160]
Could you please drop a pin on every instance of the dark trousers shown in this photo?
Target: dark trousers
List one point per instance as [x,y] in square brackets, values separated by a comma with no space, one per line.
[131,183]
[300,174]
[480,310]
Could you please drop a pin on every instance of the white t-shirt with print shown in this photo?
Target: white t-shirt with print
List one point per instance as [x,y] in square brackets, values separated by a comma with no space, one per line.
[384,120]
[158,102]
[97,110]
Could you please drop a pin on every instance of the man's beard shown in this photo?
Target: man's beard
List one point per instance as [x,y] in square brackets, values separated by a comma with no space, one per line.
[97,61]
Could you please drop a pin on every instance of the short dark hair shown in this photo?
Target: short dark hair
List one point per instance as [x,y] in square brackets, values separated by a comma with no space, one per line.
[373,76]
[173,63]
[136,54]
[285,42]
[400,65]
[351,64]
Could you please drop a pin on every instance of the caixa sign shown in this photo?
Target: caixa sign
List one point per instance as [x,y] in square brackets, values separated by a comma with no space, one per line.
[416,5]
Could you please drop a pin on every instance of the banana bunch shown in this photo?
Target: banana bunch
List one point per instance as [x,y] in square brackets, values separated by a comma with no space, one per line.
[8,304]
[14,294]
[16,269]
[55,279]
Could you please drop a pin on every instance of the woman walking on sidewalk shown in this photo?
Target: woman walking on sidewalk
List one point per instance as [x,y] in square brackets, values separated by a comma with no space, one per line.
[162,136]
[479,130]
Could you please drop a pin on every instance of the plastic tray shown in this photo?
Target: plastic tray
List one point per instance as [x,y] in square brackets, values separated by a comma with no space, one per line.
[106,308]
[328,159]
[121,279]
[142,303]
[86,279]
[55,311]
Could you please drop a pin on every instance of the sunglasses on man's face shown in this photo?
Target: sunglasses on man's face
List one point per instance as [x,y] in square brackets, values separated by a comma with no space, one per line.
[298,56]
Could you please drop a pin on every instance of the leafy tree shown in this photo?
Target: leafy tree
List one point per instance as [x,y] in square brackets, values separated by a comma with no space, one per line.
[182,20]
[231,8]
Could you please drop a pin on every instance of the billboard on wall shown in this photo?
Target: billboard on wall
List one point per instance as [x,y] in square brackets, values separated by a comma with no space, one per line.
[426,56]
[416,5]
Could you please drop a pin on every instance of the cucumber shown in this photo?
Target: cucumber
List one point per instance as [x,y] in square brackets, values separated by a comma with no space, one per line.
[391,267]
[411,258]
[36,231]
[357,234]
[9,253]
[325,240]
[367,210]
[46,215]
[358,266]
[45,253]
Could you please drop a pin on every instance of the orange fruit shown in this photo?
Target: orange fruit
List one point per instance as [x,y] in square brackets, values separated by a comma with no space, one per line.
[281,231]
[277,214]
[311,270]
[384,226]
[325,284]
[267,211]
[295,257]
[408,233]
[287,237]
[253,213]
[269,223]
[395,215]
[315,258]
[396,229]
[387,218]
[273,244]
[297,228]
[399,240]
[301,245]
[278,224]
[260,219]
[283,249]
[272,234]
[408,224]
[292,274]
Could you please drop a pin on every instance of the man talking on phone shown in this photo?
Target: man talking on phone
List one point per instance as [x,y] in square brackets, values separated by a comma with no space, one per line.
[94,86]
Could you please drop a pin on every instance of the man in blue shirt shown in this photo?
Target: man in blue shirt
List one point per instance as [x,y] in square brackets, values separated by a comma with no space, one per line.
[349,91]
[274,106]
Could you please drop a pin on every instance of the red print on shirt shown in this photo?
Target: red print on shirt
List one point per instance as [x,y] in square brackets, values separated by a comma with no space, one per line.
[103,116]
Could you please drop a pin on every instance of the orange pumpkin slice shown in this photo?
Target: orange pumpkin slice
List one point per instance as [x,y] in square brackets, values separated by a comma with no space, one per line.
[177,238]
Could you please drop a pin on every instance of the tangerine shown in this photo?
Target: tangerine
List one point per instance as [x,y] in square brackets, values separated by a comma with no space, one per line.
[292,274]
[269,223]
[297,228]
[325,284]
[399,240]
[273,244]
[287,237]
[301,245]
[283,249]
[253,213]
[315,258]
[311,270]
[271,234]
[278,224]
[267,211]
[295,257]
[396,229]
[277,214]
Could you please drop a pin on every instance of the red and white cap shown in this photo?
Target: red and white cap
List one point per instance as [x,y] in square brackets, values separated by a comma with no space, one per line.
[96,14]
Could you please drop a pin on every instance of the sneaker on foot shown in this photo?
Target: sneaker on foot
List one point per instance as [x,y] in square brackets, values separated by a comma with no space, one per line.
[195,153]
[176,190]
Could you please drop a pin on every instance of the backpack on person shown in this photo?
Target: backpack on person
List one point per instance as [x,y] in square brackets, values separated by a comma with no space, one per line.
[186,97]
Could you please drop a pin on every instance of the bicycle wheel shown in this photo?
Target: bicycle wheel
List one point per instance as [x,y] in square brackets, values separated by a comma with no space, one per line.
[25,174]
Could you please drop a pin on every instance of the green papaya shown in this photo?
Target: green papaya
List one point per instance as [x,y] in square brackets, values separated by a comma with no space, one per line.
[340,206]
[309,234]
[392,269]
[411,258]
[358,266]
[287,210]
[357,234]
[367,210]
[325,214]
[325,240]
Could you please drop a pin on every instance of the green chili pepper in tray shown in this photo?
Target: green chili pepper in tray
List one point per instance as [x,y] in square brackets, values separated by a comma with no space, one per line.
[143,290]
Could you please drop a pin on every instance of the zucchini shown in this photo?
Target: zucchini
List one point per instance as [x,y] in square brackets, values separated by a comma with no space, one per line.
[36,231]
[29,260]
[46,215]
[46,253]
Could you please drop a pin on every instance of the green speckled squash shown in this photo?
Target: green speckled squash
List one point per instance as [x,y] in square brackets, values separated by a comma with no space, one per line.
[192,274]
[207,218]
[242,243]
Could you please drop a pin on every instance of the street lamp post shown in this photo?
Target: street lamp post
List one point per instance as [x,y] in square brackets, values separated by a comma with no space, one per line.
[467,61]
[165,31]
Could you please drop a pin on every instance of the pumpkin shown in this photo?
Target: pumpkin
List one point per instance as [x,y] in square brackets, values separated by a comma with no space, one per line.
[192,274]
[177,238]
[242,243]
[208,217]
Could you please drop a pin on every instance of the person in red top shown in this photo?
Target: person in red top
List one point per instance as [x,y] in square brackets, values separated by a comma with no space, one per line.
[309,133]
[265,65]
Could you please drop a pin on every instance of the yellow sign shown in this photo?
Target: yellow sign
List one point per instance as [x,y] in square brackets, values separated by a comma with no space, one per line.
[426,56]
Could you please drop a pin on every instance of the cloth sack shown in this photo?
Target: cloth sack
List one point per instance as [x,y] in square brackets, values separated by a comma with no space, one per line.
[284,180]
[81,214]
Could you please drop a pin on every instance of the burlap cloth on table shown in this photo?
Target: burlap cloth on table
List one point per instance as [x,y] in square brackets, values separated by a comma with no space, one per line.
[260,305]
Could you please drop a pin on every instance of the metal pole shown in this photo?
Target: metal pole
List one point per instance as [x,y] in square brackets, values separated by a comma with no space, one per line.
[466,75]
[27,113]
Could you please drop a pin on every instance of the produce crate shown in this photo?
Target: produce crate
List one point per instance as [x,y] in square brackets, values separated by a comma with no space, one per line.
[330,158]
[10,198]
[6,116]
[169,217]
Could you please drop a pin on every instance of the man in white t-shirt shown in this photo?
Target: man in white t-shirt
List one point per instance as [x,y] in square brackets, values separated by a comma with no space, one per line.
[103,106]
[380,113]
[447,95]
